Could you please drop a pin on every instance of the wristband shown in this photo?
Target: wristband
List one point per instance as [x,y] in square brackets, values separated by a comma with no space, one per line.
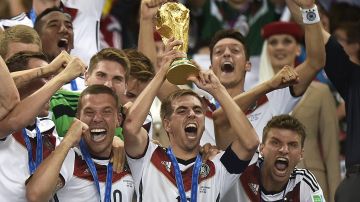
[311,15]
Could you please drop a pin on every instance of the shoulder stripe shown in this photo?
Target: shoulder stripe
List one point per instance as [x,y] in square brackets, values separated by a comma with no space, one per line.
[308,174]
[308,177]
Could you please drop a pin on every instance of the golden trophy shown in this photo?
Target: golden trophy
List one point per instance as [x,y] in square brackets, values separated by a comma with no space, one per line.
[172,20]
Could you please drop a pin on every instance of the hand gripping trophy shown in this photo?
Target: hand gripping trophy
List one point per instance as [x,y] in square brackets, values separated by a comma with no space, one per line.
[173,21]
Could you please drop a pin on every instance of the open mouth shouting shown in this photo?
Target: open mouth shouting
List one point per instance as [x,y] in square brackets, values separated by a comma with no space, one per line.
[98,134]
[63,44]
[191,130]
[227,67]
[281,165]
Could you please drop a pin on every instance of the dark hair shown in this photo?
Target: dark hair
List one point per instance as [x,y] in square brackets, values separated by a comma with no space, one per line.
[38,24]
[228,33]
[18,33]
[141,68]
[111,54]
[352,31]
[20,60]
[285,121]
[166,106]
[95,90]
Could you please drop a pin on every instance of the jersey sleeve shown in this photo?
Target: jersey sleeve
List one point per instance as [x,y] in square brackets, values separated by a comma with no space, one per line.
[281,100]
[67,168]
[230,168]
[310,190]
[137,164]
[93,8]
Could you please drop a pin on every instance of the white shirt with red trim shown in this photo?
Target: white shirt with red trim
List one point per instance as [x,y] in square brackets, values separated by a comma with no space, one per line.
[155,180]
[272,104]
[80,186]
[14,167]
[279,102]
[86,23]
[302,186]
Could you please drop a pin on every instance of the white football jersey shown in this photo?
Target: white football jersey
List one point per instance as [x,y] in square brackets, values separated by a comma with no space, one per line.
[80,186]
[272,104]
[86,22]
[14,167]
[155,180]
[301,187]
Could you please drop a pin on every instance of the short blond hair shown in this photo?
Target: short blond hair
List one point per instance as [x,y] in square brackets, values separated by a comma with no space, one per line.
[18,33]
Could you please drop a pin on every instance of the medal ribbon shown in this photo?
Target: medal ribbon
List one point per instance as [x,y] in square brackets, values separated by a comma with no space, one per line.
[39,149]
[32,15]
[91,166]
[179,180]
[73,85]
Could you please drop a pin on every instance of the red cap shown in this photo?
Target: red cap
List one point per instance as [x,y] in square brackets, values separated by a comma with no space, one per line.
[279,27]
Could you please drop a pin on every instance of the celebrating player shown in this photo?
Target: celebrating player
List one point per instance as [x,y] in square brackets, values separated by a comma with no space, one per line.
[85,175]
[169,170]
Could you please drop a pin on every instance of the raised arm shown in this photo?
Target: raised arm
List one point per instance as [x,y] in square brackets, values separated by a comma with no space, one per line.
[224,133]
[135,137]
[25,112]
[246,141]
[296,14]
[22,78]
[315,50]
[46,179]
[9,95]
[146,42]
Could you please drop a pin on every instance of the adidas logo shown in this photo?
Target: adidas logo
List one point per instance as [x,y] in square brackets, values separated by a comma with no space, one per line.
[167,165]
[254,188]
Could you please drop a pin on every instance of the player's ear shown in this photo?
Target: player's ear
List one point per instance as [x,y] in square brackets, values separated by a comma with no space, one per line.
[302,154]
[119,119]
[166,125]
[261,149]
[248,66]
[298,50]
[86,77]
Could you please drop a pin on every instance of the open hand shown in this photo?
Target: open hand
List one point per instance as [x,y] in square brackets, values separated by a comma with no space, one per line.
[170,54]
[206,80]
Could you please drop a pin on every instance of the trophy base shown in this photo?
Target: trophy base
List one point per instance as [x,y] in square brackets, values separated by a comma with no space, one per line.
[180,70]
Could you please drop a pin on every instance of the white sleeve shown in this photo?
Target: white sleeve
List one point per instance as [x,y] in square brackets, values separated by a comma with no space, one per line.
[67,168]
[137,164]
[92,8]
[281,100]
[230,168]
[310,191]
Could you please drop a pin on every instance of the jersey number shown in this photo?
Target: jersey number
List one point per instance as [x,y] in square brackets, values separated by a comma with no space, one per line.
[117,196]
[178,199]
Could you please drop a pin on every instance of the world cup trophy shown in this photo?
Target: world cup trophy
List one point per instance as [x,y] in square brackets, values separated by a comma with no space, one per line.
[172,20]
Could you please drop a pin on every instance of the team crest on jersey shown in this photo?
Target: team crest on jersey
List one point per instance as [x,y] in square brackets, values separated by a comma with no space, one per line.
[167,165]
[204,170]
[254,188]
